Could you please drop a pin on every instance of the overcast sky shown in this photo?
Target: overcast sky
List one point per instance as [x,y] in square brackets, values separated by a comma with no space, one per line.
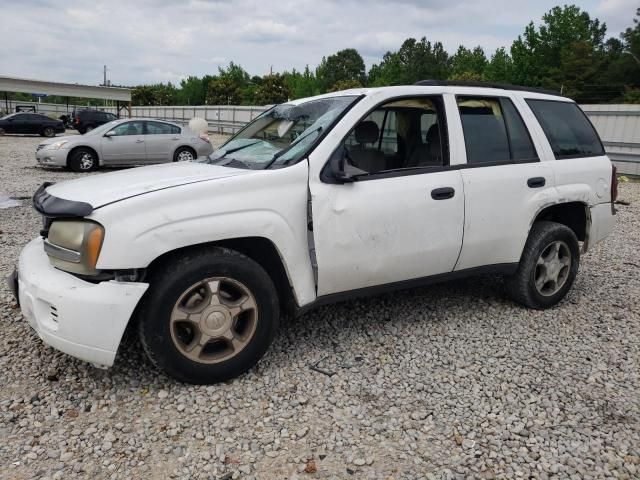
[148,41]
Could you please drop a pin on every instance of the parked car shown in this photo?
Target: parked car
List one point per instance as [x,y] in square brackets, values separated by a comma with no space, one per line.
[124,142]
[30,123]
[315,201]
[86,120]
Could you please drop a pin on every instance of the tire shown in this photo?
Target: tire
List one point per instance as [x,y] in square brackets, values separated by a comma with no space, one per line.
[533,284]
[83,160]
[2,132]
[48,132]
[88,128]
[184,154]
[169,339]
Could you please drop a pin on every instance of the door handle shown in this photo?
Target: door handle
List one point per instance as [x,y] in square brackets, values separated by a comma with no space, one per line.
[536,182]
[176,138]
[139,141]
[442,193]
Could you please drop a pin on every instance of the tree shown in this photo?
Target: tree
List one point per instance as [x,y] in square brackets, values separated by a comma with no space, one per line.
[345,85]
[191,91]
[414,61]
[223,91]
[342,66]
[302,84]
[469,63]
[566,33]
[500,67]
[273,89]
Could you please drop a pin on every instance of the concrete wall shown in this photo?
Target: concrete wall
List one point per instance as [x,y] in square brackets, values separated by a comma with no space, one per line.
[618,125]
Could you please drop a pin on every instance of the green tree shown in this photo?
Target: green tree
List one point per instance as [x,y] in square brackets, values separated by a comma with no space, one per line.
[223,91]
[539,53]
[500,67]
[469,63]
[414,61]
[273,89]
[344,65]
[345,85]
[191,91]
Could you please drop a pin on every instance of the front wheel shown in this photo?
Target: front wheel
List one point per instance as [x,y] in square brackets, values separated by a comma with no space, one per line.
[49,132]
[208,316]
[548,266]
[83,160]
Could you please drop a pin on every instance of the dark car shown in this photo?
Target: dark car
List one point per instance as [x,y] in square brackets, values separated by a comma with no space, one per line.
[33,123]
[86,120]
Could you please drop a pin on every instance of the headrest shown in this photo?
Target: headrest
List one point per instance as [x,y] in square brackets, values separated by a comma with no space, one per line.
[433,134]
[367,132]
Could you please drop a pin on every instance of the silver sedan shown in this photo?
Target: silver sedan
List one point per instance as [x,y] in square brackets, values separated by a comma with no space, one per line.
[124,142]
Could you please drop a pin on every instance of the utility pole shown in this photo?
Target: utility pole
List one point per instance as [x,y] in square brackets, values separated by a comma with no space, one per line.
[104,84]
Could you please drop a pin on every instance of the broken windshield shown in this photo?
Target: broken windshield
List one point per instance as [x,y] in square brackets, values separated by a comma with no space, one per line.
[282,135]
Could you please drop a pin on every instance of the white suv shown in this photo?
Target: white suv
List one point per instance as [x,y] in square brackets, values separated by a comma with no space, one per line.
[315,201]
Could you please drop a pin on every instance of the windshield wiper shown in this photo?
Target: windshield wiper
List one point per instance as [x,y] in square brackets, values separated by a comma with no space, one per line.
[277,155]
[233,150]
[236,162]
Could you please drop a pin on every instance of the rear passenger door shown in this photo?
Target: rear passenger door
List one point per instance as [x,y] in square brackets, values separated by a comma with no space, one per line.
[161,139]
[505,181]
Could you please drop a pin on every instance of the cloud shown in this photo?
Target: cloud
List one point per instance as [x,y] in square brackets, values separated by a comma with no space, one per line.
[147,41]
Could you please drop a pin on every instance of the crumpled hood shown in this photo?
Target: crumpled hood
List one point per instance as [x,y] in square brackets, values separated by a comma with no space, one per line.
[101,189]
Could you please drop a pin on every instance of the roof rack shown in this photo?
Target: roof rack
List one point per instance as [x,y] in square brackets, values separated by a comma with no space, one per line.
[475,83]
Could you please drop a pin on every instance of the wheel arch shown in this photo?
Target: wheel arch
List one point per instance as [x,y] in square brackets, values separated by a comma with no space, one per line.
[260,249]
[576,215]
[86,147]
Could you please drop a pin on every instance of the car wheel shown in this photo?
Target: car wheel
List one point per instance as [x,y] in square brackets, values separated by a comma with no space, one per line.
[184,154]
[88,129]
[49,132]
[208,316]
[548,266]
[1,131]
[83,160]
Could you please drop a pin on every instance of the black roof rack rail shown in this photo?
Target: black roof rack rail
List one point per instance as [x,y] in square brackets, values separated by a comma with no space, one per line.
[475,83]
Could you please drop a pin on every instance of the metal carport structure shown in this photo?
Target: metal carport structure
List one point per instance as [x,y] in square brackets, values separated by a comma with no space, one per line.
[122,96]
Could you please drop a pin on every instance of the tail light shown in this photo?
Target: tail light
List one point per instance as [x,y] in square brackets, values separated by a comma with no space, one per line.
[614,183]
[204,137]
[76,120]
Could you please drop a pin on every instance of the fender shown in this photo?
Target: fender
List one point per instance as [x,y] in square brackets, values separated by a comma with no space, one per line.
[142,228]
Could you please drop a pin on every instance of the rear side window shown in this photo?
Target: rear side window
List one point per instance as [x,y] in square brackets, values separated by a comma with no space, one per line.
[157,128]
[494,131]
[567,128]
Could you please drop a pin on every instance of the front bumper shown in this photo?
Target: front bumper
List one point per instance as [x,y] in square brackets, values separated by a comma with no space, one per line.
[82,319]
[51,157]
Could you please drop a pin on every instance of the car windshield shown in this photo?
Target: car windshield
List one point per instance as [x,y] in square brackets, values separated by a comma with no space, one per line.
[281,135]
[103,128]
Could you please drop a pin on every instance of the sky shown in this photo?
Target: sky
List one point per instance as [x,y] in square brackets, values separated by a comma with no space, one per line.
[150,41]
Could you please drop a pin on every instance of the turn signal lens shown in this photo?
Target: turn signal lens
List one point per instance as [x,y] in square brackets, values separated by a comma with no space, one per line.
[93,245]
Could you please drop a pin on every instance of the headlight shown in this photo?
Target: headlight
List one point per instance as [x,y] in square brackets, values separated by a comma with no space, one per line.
[58,145]
[74,245]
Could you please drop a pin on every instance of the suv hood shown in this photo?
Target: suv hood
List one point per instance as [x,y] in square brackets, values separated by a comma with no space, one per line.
[101,189]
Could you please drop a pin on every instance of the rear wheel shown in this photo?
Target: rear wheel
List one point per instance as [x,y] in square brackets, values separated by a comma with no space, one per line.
[83,160]
[48,132]
[184,154]
[208,316]
[548,266]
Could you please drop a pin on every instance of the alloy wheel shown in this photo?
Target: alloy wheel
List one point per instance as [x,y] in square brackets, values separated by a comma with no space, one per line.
[185,156]
[213,320]
[552,268]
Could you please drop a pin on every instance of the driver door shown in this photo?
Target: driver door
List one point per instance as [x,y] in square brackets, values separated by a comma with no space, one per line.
[127,145]
[394,224]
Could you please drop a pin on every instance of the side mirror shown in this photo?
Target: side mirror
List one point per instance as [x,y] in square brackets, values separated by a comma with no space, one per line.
[110,133]
[335,171]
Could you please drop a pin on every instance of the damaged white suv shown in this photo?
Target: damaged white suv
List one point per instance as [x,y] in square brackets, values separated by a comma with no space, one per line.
[315,201]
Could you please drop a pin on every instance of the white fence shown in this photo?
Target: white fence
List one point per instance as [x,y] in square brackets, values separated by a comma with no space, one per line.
[618,125]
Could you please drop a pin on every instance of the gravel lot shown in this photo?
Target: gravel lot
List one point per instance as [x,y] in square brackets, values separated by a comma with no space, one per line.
[451,381]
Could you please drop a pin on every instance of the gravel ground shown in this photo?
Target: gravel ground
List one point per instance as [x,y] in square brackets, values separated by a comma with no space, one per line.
[450,381]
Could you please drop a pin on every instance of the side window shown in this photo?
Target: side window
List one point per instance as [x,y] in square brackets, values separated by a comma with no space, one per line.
[567,128]
[494,131]
[157,128]
[129,128]
[404,133]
